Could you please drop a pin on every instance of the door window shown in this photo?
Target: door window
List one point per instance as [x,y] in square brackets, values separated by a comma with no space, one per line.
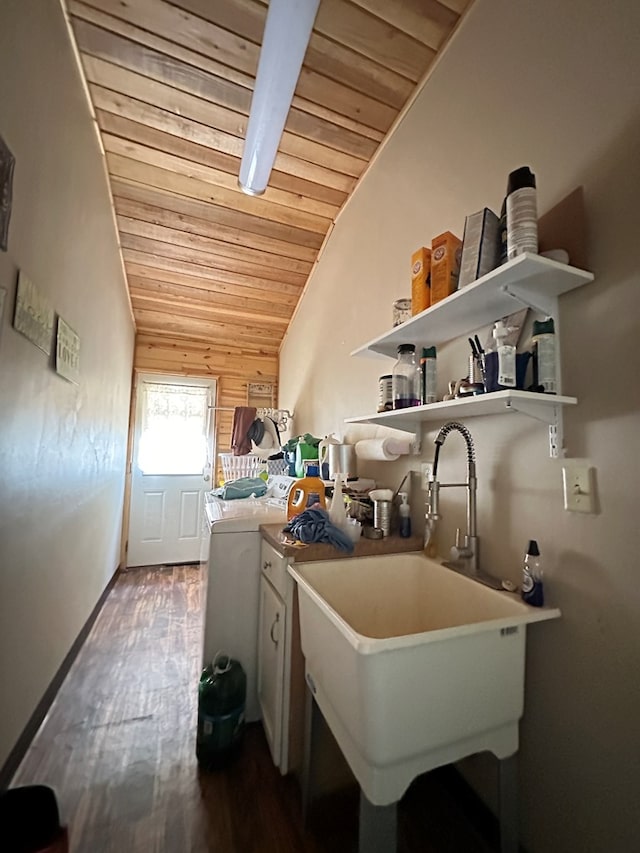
[173,437]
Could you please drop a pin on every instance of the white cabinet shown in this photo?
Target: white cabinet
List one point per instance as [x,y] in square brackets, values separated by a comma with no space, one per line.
[280,661]
[271,654]
[526,281]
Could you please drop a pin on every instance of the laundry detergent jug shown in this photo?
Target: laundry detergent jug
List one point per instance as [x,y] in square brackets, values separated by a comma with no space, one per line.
[221,703]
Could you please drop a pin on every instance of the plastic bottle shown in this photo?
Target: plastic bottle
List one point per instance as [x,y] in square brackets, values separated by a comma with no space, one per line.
[522,213]
[428,376]
[544,356]
[532,589]
[506,356]
[338,510]
[405,378]
[221,705]
[306,492]
[404,511]
[502,233]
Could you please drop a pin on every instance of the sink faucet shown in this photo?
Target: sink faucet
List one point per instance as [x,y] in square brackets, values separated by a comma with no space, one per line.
[464,553]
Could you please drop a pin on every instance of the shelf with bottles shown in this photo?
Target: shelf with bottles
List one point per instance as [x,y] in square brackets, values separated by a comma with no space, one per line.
[527,280]
[543,407]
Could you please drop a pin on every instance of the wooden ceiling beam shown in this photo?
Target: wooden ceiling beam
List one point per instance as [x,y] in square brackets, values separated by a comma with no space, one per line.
[210,212]
[122,106]
[178,293]
[139,272]
[272,202]
[209,156]
[161,248]
[194,187]
[216,248]
[237,241]
[223,279]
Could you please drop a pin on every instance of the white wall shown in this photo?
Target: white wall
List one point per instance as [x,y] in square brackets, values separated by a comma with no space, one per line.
[553,86]
[62,446]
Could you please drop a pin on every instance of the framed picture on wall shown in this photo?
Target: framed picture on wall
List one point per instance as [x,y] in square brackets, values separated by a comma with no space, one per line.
[7,162]
[67,352]
[33,316]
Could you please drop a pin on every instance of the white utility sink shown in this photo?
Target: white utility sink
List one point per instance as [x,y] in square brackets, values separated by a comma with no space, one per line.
[412,665]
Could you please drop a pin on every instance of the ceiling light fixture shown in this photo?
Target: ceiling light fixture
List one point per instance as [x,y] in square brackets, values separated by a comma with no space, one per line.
[286,36]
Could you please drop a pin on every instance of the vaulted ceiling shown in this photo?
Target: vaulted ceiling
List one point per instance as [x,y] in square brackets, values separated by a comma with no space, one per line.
[171,85]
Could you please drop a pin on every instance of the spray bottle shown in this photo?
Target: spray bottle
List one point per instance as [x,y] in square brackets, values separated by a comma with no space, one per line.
[522,216]
[338,510]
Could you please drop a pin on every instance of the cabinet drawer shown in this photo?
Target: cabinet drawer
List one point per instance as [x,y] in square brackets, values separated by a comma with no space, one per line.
[274,567]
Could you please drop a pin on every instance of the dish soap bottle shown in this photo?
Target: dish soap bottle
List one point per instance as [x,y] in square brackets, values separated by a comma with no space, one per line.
[404,510]
[532,590]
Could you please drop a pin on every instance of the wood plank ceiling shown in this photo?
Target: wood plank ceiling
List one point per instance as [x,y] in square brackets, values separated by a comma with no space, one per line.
[171,86]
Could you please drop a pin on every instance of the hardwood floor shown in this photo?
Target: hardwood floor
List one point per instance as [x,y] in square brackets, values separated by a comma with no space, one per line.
[118,747]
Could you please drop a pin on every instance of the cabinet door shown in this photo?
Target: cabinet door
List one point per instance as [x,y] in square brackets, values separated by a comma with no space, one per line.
[271,651]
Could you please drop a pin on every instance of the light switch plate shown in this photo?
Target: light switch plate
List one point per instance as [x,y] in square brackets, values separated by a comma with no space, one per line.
[578,486]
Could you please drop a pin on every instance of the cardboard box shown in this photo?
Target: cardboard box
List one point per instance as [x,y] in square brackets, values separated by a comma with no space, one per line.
[446,250]
[420,280]
[480,246]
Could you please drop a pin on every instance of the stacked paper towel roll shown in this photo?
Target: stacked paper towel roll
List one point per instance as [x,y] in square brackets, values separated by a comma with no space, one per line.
[382,449]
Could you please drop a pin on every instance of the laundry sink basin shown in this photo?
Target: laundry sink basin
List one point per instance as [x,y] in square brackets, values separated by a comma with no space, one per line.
[412,664]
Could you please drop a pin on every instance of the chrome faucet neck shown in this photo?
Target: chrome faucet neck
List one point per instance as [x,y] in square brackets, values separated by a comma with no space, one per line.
[467,554]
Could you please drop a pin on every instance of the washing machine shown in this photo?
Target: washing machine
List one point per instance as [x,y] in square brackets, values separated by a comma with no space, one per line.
[233,577]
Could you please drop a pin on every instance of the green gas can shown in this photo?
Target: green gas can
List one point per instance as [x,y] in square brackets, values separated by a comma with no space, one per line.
[221,705]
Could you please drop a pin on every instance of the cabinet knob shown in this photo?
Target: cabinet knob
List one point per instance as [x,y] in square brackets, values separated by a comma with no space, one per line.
[273,627]
[266,565]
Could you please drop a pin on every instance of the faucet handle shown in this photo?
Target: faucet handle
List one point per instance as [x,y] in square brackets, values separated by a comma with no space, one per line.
[458,551]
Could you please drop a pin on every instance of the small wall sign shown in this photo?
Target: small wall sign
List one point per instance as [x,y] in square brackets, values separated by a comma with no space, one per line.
[7,162]
[33,316]
[67,352]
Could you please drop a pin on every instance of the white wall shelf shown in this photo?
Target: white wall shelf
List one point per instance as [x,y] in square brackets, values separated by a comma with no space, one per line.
[543,407]
[525,281]
[528,280]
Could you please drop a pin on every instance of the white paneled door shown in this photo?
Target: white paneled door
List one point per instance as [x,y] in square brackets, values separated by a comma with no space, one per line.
[172,464]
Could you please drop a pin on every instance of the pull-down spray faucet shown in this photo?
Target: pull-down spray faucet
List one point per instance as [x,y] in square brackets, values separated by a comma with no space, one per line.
[464,554]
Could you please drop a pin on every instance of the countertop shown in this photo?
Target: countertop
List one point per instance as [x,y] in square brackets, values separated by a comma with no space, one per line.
[272,533]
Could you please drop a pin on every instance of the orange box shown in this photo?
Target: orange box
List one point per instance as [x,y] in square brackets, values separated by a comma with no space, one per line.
[420,280]
[446,252]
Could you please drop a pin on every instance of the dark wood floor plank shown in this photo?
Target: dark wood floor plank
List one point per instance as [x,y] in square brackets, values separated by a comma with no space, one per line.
[118,747]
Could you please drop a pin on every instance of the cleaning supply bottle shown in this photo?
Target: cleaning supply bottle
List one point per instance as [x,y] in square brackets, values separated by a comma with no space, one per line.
[306,492]
[428,376]
[506,356]
[522,214]
[532,589]
[338,510]
[544,356]
[404,511]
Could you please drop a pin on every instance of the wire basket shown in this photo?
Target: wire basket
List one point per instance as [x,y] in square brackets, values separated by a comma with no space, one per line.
[234,467]
[248,465]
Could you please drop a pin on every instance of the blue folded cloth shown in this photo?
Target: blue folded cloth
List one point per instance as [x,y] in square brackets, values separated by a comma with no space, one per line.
[314,525]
